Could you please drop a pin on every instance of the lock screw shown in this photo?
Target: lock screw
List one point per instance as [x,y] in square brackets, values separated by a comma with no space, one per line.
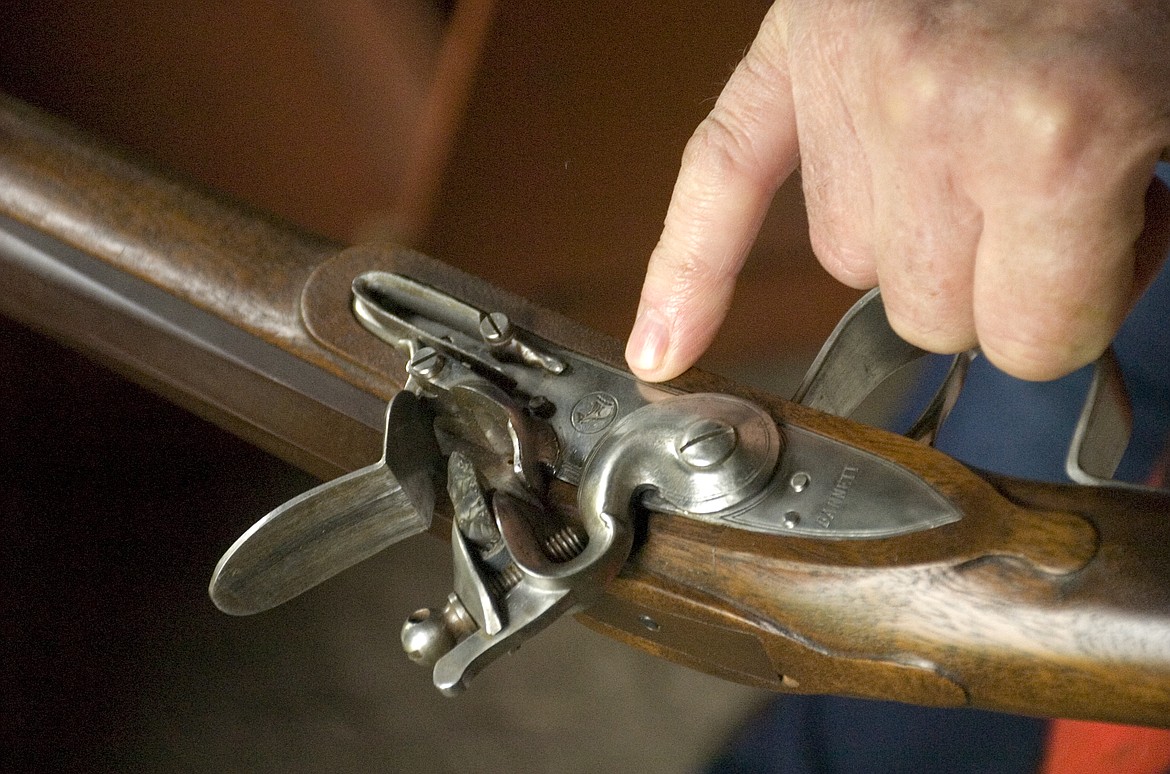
[426,363]
[495,328]
[707,442]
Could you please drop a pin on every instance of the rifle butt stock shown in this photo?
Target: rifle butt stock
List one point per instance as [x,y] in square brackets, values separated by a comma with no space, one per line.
[987,628]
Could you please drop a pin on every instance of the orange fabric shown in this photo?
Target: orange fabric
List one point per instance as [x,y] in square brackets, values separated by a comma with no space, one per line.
[1080,747]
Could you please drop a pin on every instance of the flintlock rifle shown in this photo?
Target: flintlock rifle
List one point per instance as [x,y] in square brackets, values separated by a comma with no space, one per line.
[765,541]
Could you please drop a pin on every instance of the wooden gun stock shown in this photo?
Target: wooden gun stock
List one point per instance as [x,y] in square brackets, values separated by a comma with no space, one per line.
[1042,599]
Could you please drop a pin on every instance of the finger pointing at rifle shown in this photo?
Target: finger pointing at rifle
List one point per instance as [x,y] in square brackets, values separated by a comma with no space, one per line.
[989,165]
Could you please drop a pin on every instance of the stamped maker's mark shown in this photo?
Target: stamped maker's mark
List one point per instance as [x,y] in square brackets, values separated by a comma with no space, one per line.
[594,412]
[836,500]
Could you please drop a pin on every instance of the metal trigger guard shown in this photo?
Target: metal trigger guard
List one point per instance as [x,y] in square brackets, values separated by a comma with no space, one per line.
[864,350]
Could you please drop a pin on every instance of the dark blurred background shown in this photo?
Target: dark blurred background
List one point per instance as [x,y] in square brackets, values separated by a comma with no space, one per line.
[534,144]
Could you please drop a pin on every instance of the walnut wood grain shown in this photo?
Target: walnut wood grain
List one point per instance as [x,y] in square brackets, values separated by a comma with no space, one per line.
[234,263]
[1042,599]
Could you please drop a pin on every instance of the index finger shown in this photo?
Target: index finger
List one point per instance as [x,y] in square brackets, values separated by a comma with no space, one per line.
[730,171]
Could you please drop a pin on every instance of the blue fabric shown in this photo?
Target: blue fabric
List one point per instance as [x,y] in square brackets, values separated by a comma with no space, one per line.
[1007,426]
[822,735]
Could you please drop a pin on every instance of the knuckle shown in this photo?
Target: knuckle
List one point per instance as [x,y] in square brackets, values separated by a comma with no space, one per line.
[1074,130]
[695,280]
[1031,363]
[848,263]
[918,81]
[918,96]
[1053,124]
[837,236]
[1038,351]
[687,278]
[926,325]
[929,297]
[722,148]
[1055,307]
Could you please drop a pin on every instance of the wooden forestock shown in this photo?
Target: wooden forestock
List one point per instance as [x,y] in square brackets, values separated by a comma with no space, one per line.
[1043,599]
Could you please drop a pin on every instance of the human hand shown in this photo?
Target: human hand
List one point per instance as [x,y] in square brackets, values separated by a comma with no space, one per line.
[988,164]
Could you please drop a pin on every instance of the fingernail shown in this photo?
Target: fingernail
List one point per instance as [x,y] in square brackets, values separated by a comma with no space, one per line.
[648,340]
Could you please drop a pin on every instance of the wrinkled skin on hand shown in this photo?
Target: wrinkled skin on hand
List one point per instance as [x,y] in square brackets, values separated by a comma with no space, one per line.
[988,163]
